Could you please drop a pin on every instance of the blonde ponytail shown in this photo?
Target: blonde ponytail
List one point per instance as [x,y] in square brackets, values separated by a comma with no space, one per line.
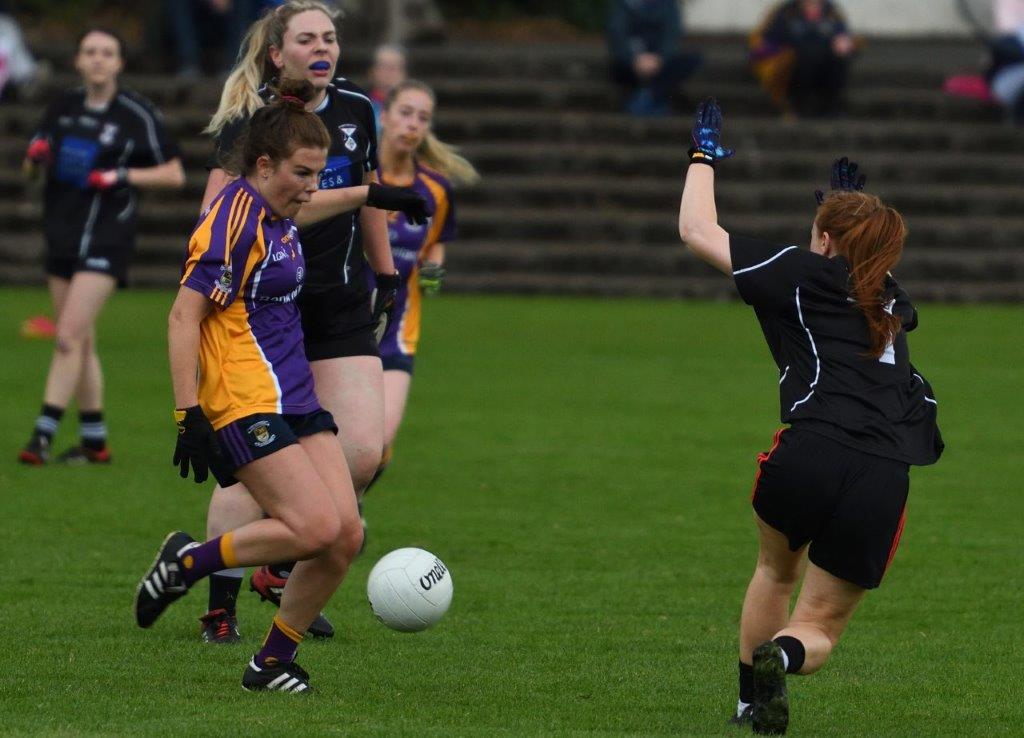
[446,159]
[240,97]
[433,152]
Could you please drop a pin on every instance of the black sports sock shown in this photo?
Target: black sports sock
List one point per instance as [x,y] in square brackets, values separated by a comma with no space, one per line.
[92,429]
[48,421]
[224,592]
[795,652]
[746,683]
[282,571]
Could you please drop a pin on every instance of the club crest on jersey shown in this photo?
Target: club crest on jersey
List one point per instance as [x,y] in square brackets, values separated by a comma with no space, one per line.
[225,279]
[261,433]
[348,132]
[108,133]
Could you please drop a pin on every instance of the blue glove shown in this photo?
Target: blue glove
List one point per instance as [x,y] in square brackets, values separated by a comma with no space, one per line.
[707,134]
[844,179]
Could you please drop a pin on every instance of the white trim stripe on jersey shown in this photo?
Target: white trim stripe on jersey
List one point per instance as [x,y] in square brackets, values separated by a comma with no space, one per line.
[252,295]
[765,262]
[932,400]
[150,123]
[349,92]
[814,348]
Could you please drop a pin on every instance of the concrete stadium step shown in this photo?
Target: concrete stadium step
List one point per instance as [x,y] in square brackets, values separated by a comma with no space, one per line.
[765,131]
[492,256]
[592,225]
[636,161]
[927,59]
[871,101]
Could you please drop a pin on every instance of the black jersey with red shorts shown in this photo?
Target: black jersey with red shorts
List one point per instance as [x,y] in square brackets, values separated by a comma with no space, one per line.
[88,229]
[335,302]
[837,477]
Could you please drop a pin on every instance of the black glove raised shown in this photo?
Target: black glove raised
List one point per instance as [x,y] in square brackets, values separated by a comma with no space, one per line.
[197,443]
[408,201]
[844,179]
[706,135]
[382,302]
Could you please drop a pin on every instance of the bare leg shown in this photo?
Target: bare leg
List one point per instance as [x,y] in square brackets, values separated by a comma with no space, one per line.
[823,609]
[312,582]
[230,508]
[85,296]
[89,392]
[396,393]
[352,390]
[766,605]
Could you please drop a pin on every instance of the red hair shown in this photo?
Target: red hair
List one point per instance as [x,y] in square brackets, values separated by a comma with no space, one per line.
[870,234]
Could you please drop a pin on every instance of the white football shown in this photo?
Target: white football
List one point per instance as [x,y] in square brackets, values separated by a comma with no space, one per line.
[409,589]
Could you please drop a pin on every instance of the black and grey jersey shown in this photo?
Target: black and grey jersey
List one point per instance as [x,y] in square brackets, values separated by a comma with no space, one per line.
[128,132]
[333,247]
[819,339]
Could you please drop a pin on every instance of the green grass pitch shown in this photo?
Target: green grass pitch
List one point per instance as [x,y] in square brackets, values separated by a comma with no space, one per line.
[584,469]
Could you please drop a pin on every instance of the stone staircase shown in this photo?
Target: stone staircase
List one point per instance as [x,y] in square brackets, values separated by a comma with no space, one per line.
[580,199]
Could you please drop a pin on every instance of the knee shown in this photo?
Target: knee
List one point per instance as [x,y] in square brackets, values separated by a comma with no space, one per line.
[363,463]
[70,339]
[781,576]
[350,539]
[318,535]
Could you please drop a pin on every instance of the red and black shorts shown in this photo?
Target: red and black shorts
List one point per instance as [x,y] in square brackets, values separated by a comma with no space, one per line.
[848,504]
[261,434]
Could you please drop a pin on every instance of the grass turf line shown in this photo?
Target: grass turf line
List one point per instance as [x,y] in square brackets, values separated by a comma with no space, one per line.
[583,467]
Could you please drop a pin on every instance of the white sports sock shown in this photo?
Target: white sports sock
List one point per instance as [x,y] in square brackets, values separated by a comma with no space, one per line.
[785,661]
[740,707]
[233,573]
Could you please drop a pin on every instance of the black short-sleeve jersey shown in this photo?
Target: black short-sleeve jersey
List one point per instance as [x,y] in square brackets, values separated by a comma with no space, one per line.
[333,247]
[129,132]
[819,339]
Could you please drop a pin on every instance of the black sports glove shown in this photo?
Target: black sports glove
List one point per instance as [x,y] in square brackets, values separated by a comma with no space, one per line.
[408,201]
[706,135]
[382,302]
[197,443]
[844,179]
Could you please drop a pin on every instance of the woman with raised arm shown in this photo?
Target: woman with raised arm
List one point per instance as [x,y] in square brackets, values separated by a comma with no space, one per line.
[252,413]
[299,40]
[99,144]
[834,484]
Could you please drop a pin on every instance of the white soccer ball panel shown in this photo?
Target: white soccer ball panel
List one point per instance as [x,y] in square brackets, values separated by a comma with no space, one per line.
[409,589]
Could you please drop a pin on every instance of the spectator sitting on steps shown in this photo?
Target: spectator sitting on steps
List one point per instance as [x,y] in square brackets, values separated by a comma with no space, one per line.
[646,61]
[801,54]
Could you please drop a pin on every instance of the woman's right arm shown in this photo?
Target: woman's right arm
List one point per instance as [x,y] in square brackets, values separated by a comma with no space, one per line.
[188,311]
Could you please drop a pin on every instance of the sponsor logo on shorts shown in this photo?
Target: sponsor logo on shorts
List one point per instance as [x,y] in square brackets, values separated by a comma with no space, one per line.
[261,433]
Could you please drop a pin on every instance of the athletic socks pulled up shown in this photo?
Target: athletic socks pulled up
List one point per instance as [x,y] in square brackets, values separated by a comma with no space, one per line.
[280,646]
[793,653]
[204,559]
[48,422]
[224,588]
[92,430]
[746,688]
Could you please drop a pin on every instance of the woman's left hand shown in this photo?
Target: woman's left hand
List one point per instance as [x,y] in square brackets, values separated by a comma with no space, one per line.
[706,134]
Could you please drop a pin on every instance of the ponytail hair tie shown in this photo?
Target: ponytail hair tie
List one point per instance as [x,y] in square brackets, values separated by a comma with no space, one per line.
[292,100]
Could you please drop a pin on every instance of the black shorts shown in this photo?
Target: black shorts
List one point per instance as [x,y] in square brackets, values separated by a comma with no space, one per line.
[112,260]
[334,326]
[849,505]
[259,435]
[398,362]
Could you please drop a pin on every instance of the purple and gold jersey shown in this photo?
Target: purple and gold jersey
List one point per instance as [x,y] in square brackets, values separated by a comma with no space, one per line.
[409,244]
[250,265]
